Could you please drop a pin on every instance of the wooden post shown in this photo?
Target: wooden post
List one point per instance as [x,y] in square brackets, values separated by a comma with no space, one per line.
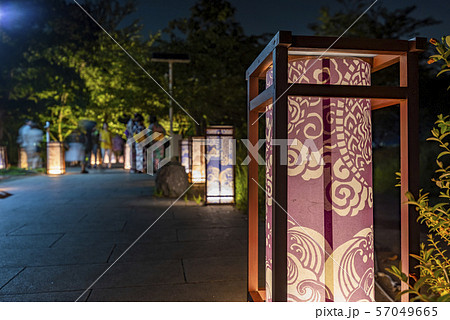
[252,191]
[279,207]
[409,163]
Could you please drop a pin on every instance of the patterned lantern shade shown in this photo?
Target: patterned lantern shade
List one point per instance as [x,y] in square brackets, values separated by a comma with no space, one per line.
[185,151]
[330,202]
[55,158]
[23,159]
[319,192]
[3,158]
[219,165]
[197,165]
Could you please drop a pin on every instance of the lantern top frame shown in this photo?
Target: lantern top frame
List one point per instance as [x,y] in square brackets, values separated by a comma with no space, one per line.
[380,53]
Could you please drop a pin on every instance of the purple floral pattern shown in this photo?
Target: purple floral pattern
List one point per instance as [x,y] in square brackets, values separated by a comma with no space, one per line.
[330,197]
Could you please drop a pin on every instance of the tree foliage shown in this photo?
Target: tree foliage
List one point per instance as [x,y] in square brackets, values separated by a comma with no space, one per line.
[434,261]
[379,22]
[212,87]
[71,69]
[443,53]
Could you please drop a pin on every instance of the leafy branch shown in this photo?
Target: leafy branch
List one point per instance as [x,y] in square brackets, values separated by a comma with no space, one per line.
[434,263]
[443,49]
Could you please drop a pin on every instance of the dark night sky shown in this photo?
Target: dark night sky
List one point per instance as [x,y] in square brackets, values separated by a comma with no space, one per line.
[259,16]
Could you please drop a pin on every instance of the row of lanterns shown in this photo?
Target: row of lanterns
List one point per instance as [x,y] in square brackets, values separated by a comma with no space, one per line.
[210,160]
[55,158]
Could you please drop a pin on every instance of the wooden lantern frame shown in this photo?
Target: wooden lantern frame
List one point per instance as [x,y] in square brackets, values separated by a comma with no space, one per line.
[219,127]
[380,53]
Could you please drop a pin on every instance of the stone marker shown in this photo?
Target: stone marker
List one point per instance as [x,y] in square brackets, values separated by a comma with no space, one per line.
[172,180]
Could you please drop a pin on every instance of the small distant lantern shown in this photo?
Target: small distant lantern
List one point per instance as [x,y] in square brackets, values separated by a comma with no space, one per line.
[185,151]
[55,158]
[3,158]
[219,165]
[198,174]
[96,158]
[23,159]
[319,193]
[127,157]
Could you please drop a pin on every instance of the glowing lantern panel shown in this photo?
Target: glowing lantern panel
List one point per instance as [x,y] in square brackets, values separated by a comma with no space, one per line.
[23,159]
[3,158]
[198,160]
[219,166]
[329,192]
[127,157]
[55,158]
[185,150]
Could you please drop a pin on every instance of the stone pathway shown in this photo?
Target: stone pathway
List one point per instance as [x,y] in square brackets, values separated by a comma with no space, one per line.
[58,234]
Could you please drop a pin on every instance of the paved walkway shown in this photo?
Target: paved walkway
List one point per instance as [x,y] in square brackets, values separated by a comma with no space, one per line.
[58,234]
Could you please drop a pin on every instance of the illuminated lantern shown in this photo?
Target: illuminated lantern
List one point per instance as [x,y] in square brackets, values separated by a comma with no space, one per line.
[185,151]
[3,158]
[99,156]
[55,158]
[127,157]
[197,165]
[219,165]
[319,195]
[23,159]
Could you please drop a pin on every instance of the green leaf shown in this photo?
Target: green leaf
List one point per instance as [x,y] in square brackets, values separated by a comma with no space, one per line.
[406,291]
[444,298]
[443,153]
[409,196]
[445,56]
[447,40]
[442,71]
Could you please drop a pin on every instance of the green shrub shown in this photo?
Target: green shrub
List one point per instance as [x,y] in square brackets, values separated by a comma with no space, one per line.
[433,283]
[434,263]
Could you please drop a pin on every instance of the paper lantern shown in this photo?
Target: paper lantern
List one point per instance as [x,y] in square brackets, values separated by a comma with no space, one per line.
[219,165]
[198,168]
[99,158]
[319,197]
[3,158]
[114,160]
[185,151]
[23,159]
[55,158]
[127,157]
[193,158]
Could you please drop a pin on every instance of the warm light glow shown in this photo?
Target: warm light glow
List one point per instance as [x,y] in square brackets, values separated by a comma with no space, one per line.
[55,158]
[127,157]
[23,159]
[55,171]
[219,165]
[99,160]
[185,152]
[3,158]
[198,160]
